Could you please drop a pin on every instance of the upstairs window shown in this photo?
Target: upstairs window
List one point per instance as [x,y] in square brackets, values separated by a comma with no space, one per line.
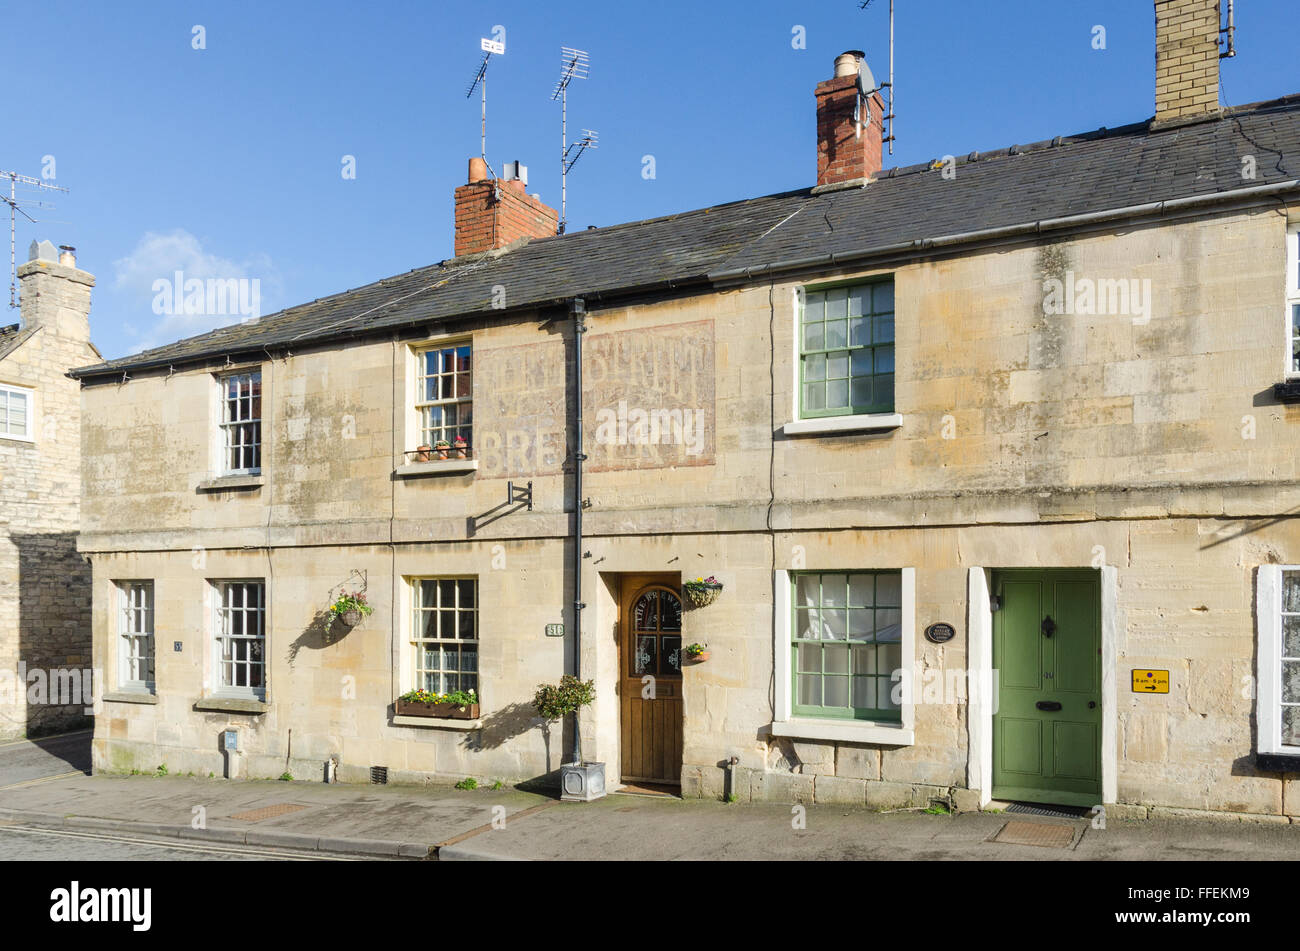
[16,412]
[846,351]
[241,422]
[444,388]
[1293,301]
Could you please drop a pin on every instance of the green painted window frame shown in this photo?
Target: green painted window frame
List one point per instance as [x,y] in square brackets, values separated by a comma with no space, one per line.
[848,330]
[853,646]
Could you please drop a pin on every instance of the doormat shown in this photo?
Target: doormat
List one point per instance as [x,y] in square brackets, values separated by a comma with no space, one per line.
[1048,835]
[268,812]
[1056,812]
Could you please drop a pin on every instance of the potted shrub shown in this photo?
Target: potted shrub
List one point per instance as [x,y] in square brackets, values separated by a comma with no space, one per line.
[581,781]
[461,446]
[696,653]
[456,705]
[422,452]
[443,448]
[702,591]
[350,608]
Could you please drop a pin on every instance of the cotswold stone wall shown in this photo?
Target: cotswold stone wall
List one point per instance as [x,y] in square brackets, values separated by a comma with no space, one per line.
[1034,433]
[45,603]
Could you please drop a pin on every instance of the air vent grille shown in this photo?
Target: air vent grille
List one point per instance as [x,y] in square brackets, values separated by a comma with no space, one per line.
[379,775]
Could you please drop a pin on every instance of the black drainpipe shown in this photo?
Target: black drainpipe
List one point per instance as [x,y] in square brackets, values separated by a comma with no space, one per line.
[578,308]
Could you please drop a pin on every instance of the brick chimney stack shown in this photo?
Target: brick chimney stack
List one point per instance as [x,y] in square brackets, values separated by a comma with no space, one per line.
[1187,61]
[494,212]
[846,153]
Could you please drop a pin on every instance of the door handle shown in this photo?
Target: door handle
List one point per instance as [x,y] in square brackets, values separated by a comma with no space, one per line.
[1048,626]
[1048,704]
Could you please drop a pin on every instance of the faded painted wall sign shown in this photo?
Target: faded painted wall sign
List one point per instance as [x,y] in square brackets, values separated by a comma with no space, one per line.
[648,402]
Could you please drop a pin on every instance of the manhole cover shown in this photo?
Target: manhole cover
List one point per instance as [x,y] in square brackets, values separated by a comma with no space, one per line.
[1048,835]
[268,812]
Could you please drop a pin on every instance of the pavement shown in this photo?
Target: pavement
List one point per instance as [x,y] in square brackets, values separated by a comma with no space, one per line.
[189,813]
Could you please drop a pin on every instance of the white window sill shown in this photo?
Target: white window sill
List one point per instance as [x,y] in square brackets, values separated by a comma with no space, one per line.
[827,425]
[435,467]
[227,483]
[435,723]
[848,731]
[25,440]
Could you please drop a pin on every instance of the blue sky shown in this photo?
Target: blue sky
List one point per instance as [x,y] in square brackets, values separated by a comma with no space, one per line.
[226,161]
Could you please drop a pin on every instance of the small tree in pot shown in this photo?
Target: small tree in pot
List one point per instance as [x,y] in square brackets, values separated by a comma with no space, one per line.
[579,781]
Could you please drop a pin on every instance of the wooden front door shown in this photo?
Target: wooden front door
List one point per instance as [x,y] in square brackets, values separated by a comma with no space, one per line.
[650,675]
[1047,653]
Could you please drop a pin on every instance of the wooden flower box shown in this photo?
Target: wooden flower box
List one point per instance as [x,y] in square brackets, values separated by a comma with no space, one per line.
[446,711]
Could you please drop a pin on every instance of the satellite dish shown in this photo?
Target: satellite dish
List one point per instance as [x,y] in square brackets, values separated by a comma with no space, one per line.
[866,81]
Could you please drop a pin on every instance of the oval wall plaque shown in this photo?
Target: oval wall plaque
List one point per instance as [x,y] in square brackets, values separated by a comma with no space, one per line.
[940,633]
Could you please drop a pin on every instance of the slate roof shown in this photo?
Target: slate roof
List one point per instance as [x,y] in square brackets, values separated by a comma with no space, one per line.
[12,337]
[1070,175]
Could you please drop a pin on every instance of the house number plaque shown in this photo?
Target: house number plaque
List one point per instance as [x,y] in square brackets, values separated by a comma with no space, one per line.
[555,630]
[940,633]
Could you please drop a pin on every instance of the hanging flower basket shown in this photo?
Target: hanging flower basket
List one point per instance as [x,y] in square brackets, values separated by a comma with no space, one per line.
[702,591]
[349,609]
[695,653]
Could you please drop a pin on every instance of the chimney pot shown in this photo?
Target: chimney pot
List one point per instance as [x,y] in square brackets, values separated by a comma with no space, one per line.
[477,170]
[846,64]
[67,255]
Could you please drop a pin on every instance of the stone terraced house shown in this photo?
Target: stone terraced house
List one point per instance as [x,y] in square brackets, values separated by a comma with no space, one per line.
[995,460]
[45,643]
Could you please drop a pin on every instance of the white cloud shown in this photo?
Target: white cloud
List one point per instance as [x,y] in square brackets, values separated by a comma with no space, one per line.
[157,257]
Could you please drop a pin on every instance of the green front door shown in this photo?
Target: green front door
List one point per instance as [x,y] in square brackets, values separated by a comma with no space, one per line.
[1047,654]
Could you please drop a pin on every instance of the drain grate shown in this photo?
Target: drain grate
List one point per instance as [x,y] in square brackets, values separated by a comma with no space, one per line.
[268,812]
[1047,835]
[379,775]
[1056,812]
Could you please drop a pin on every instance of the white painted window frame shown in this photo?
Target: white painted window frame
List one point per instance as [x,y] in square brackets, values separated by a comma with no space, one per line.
[216,589]
[1292,298]
[1268,660]
[415,404]
[127,632]
[411,667]
[889,733]
[30,394]
[225,425]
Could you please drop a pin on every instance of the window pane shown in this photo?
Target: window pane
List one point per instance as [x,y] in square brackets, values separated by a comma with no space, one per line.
[834,625]
[864,693]
[670,655]
[837,692]
[807,625]
[859,331]
[809,658]
[837,365]
[1291,681]
[835,590]
[889,624]
[864,660]
[837,334]
[814,367]
[835,657]
[805,590]
[860,626]
[889,658]
[860,590]
[1291,592]
[882,296]
[889,590]
[859,301]
[837,394]
[814,336]
[885,688]
[814,308]
[884,329]
[837,304]
[862,390]
[814,396]
[1291,726]
[1291,637]
[884,360]
[810,690]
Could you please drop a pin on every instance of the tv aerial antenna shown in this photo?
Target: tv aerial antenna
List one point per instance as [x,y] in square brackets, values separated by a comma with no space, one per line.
[489,47]
[13,201]
[574,64]
[866,83]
